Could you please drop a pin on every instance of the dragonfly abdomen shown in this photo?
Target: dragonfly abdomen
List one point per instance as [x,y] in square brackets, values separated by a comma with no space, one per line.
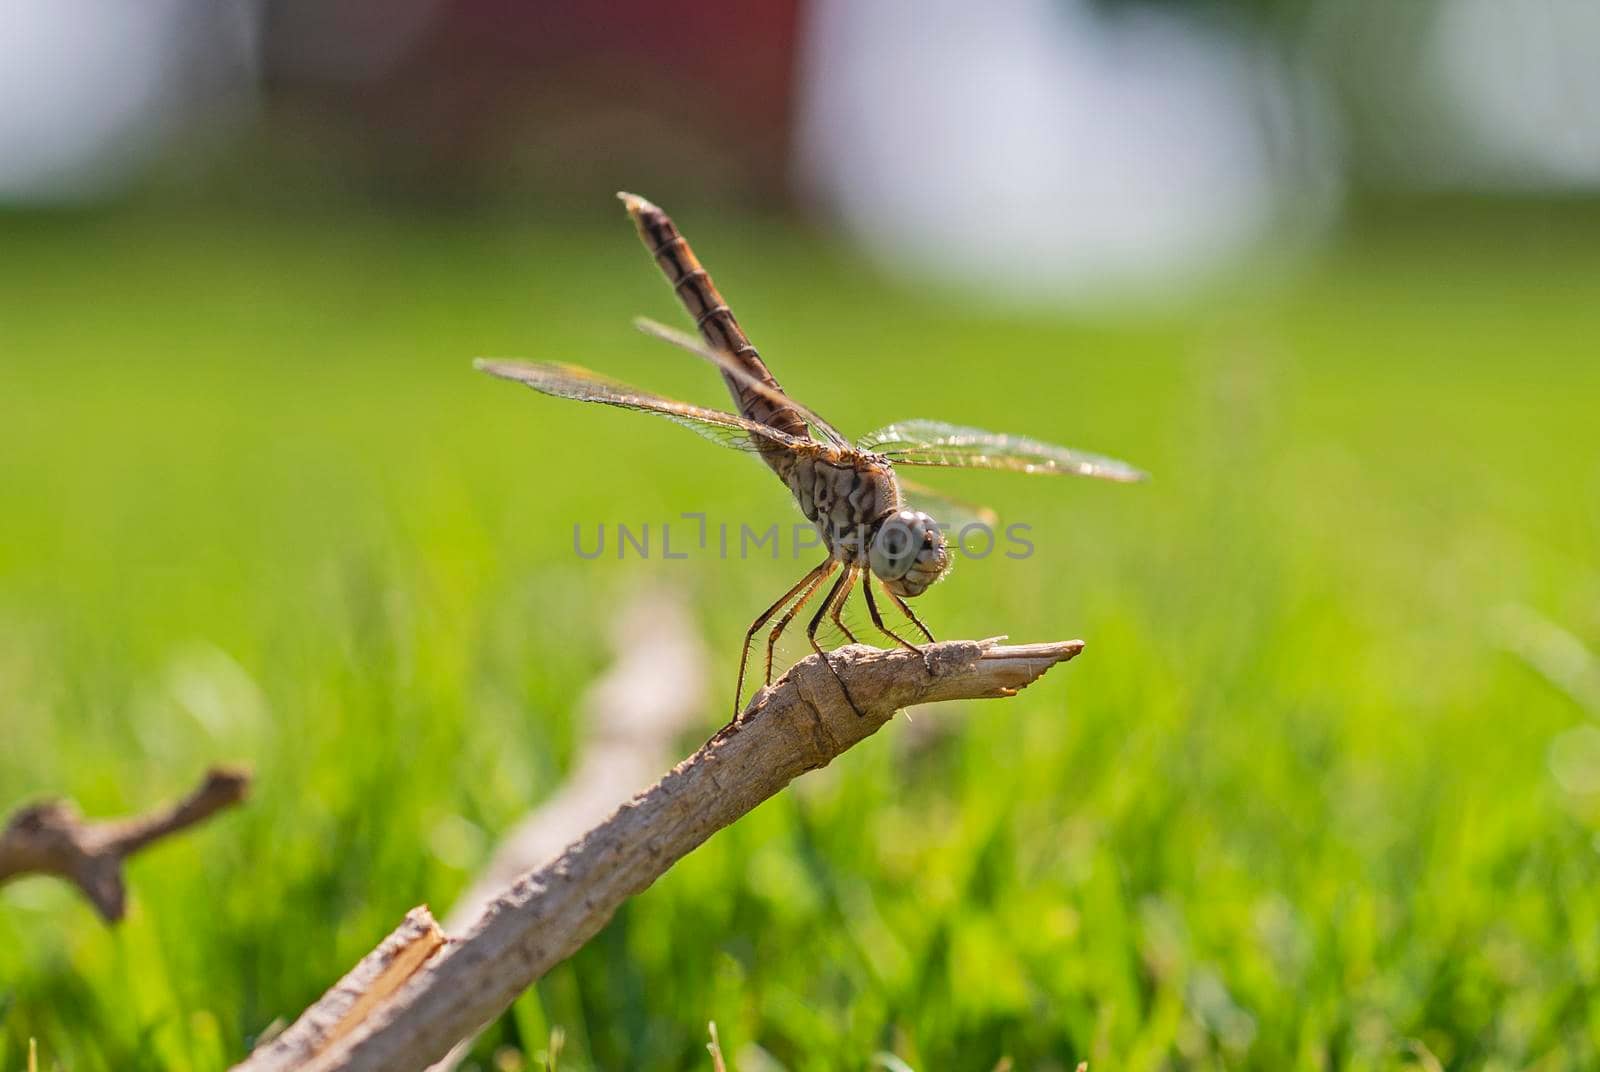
[716,323]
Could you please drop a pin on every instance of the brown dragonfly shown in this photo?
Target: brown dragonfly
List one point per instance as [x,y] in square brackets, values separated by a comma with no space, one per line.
[850,491]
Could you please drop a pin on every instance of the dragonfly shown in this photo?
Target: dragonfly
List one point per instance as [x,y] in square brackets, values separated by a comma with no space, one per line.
[872,532]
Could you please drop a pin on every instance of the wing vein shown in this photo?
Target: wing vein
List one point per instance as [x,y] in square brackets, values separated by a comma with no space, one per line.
[577,383]
[935,444]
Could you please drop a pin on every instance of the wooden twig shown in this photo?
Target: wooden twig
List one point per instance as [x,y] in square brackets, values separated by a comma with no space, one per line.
[52,838]
[800,724]
[371,982]
[631,717]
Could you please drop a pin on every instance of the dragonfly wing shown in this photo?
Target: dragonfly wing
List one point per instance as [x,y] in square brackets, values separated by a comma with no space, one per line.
[732,368]
[951,513]
[572,381]
[933,443]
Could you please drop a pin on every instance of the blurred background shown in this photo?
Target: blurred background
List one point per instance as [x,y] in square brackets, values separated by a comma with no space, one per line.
[1324,791]
[1042,151]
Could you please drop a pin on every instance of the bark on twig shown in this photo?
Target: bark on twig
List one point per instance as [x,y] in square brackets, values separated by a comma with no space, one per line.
[800,724]
[631,717]
[371,982]
[52,838]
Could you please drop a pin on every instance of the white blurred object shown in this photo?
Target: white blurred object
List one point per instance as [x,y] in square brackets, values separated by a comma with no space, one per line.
[1041,151]
[89,89]
[1522,78]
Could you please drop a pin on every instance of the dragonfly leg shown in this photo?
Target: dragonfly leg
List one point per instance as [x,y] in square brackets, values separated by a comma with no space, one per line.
[811,635]
[877,619]
[816,576]
[838,605]
[927,660]
[811,579]
[909,613]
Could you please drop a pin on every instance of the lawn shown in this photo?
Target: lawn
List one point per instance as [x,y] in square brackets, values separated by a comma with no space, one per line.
[1298,806]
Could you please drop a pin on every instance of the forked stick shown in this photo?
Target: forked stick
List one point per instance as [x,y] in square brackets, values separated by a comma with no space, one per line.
[799,724]
[52,838]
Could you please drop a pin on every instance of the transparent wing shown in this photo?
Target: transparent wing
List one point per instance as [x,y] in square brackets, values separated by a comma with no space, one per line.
[951,513]
[571,381]
[731,368]
[952,446]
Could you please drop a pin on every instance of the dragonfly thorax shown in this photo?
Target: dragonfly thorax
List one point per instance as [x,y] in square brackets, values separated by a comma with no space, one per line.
[855,503]
[847,495]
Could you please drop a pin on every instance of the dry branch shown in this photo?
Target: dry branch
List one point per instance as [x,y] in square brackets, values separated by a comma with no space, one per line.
[371,982]
[800,724]
[631,717]
[52,838]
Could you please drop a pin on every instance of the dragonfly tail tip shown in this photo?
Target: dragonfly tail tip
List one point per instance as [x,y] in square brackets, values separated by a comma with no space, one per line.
[634,203]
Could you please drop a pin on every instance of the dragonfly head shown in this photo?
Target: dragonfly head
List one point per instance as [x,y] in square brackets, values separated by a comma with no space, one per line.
[908,553]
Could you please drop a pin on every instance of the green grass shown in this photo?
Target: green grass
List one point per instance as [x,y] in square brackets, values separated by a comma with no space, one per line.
[1292,809]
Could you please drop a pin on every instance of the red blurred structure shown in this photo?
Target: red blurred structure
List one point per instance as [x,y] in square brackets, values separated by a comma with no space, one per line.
[466,98]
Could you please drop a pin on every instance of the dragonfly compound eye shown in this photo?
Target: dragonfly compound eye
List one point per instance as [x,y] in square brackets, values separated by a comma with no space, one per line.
[908,553]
